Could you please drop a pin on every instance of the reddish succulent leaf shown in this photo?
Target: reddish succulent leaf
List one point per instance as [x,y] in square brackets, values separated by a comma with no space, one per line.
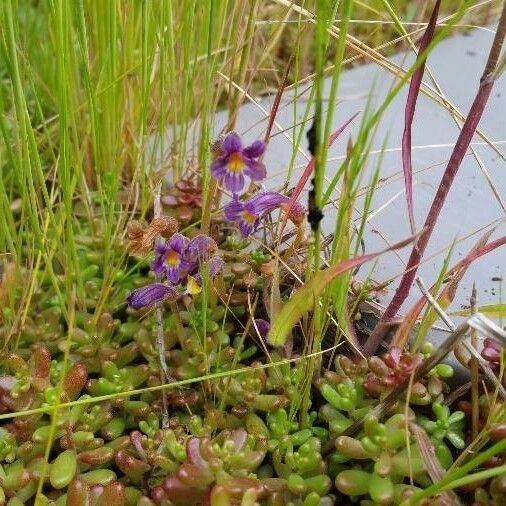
[409,113]
[307,173]
[305,297]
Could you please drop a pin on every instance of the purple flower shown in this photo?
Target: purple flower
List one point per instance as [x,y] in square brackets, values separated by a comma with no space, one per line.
[170,259]
[263,327]
[151,294]
[179,260]
[214,267]
[237,162]
[199,248]
[296,212]
[247,214]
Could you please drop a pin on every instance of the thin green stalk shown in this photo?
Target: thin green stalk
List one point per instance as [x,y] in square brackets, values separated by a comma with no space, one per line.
[24,153]
[456,474]
[85,401]
[315,337]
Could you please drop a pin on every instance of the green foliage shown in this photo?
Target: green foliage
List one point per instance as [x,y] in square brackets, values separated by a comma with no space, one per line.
[93,121]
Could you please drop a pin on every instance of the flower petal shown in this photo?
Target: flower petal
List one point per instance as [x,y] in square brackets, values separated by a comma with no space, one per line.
[150,294]
[158,266]
[265,202]
[188,267]
[161,248]
[254,150]
[219,167]
[296,213]
[178,242]
[173,274]
[193,287]
[255,170]
[233,210]
[232,143]
[200,247]
[234,182]
[246,228]
[263,327]
[215,266]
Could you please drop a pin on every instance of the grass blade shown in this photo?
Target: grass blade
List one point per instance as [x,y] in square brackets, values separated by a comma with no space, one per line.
[459,151]
[457,272]
[304,299]
[414,89]
[308,171]
[490,310]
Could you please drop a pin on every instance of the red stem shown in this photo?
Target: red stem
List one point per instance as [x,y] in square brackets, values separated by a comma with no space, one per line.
[409,113]
[459,151]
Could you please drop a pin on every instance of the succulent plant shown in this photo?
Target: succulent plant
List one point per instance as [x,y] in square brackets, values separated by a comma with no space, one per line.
[237,438]
[219,466]
[493,494]
[446,426]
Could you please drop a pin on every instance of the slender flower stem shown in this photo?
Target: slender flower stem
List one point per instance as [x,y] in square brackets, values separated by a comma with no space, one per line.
[160,334]
[459,151]
[179,323]
[208,207]
[315,337]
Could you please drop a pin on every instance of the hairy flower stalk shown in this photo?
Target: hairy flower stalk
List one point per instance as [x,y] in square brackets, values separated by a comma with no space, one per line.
[160,337]
[466,134]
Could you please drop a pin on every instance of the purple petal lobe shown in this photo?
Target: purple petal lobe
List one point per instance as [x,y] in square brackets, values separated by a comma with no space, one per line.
[296,213]
[161,248]
[234,182]
[173,275]
[255,170]
[247,228]
[232,143]
[150,294]
[263,327]
[219,167]
[254,150]
[216,265]
[158,266]
[265,202]
[200,246]
[233,210]
[178,242]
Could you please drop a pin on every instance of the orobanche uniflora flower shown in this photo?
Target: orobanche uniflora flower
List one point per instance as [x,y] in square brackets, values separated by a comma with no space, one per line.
[247,214]
[180,261]
[235,162]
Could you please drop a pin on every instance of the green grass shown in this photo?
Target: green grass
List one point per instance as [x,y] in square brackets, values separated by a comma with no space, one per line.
[91,92]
